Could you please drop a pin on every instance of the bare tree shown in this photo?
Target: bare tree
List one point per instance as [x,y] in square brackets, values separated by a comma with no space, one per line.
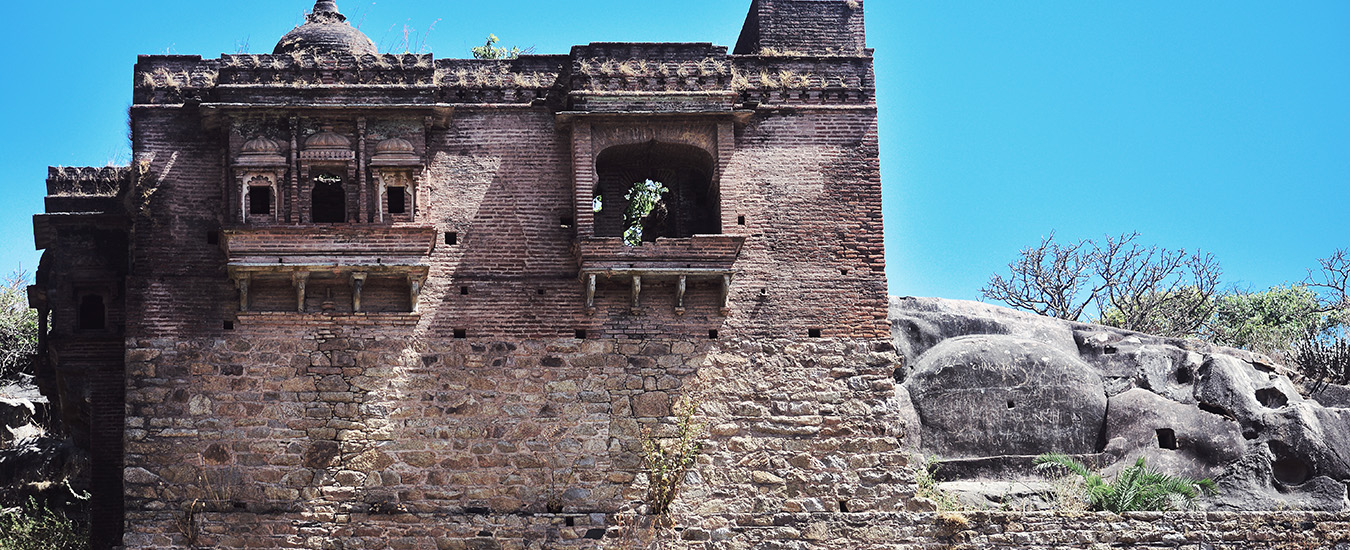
[1147,289]
[1155,290]
[1332,280]
[1048,279]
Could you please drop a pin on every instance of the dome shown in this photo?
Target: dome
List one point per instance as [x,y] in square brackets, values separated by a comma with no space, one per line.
[325,31]
[261,145]
[395,151]
[327,139]
[261,151]
[394,145]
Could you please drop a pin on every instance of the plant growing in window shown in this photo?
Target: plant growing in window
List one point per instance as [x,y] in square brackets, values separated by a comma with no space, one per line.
[643,199]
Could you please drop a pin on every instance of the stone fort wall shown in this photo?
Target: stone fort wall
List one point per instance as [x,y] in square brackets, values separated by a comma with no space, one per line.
[483,395]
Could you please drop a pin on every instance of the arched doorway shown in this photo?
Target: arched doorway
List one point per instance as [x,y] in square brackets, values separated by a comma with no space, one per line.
[329,200]
[689,208]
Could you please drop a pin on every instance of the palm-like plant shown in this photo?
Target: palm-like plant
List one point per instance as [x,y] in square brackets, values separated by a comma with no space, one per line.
[1135,488]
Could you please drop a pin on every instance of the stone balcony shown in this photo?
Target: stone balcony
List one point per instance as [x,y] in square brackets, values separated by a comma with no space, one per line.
[349,253]
[679,260]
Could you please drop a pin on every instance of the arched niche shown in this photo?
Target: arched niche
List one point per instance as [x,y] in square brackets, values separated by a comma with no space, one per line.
[690,207]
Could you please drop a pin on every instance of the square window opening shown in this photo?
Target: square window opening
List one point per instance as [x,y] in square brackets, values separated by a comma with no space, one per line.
[451,238]
[740,220]
[813,333]
[461,334]
[1167,438]
[566,222]
[398,200]
[713,334]
[212,237]
[259,201]
[93,313]
[464,291]
[228,325]
[581,334]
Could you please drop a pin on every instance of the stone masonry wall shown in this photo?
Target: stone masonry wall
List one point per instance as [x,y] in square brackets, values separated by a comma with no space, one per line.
[368,432]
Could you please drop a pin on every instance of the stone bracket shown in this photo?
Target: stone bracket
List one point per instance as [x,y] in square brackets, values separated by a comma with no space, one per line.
[680,277]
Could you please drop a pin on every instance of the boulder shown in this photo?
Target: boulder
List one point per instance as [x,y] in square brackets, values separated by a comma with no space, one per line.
[1174,437]
[918,324]
[998,395]
[993,387]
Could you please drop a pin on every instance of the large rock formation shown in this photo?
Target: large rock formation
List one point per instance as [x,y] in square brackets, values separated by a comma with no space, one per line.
[992,387]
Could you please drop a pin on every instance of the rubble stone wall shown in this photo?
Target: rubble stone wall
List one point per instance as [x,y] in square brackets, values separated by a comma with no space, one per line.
[347,426]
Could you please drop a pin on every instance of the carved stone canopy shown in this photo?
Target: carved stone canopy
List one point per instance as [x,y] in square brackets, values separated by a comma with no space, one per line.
[328,145]
[328,139]
[395,151]
[261,151]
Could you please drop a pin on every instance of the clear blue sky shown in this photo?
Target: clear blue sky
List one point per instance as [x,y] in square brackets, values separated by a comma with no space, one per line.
[1218,124]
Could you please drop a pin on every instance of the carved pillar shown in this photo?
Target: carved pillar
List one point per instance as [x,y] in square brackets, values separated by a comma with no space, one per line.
[637,291]
[293,208]
[726,295]
[415,289]
[590,294]
[680,287]
[358,283]
[300,279]
[363,194]
[242,281]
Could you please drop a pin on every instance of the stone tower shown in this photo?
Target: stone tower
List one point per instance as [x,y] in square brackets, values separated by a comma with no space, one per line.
[349,296]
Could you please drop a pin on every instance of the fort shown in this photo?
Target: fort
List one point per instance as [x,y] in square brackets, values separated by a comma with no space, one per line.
[345,299]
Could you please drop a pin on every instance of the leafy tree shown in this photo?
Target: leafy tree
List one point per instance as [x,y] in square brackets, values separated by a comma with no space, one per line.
[1135,488]
[1270,321]
[18,326]
[643,199]
[490,50]
[1147,289]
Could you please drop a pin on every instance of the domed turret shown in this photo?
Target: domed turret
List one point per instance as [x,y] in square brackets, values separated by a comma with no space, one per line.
[326,138]
[261,151]
[325,31]
[395,151]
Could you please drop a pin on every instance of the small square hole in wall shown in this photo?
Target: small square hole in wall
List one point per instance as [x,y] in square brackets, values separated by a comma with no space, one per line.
[813,333]
[566,222]
[581,334]
[1167,438]
[451,238]
[212,237]
[713,334]
[229,325]
[843,271]
[461,333]
[1011,404]
[740,220]
[540,291]
[464,291]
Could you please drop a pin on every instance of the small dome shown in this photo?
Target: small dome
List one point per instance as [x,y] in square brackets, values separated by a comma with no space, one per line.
[394,146]
[328,139]
[261,145]
[325,31]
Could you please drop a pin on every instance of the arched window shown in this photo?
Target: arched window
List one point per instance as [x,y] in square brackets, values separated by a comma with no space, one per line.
[690,207]
[93,314]
[330,200]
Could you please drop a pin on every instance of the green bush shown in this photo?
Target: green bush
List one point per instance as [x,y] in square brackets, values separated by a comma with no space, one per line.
[37,527]
[1136,488]
[18,326]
